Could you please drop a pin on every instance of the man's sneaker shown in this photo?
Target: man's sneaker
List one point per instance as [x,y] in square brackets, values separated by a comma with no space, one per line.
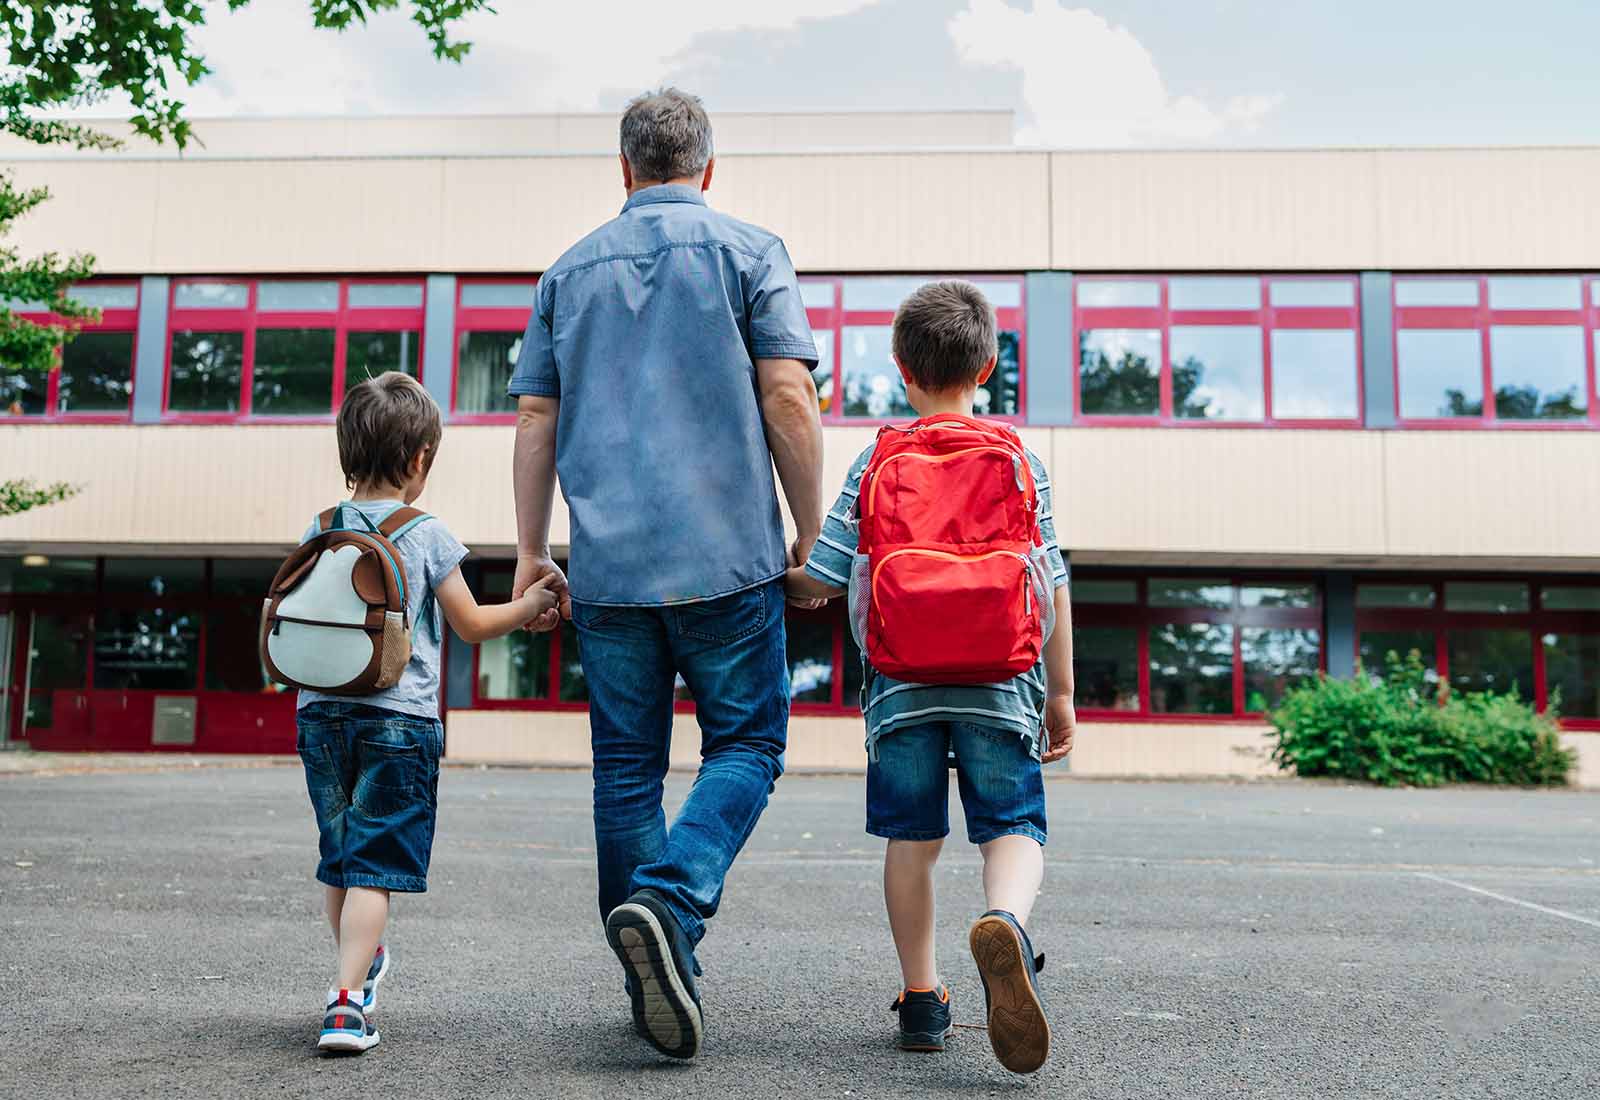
[345,1027]
[656,954]
[1018,1030]
[375,974]
[924,1018]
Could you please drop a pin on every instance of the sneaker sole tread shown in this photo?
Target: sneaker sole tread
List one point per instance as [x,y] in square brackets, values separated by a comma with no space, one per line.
[672,1020]
[1018,1030]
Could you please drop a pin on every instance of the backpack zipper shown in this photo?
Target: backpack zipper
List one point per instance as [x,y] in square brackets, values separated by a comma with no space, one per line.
[1016,464]
[1027,568]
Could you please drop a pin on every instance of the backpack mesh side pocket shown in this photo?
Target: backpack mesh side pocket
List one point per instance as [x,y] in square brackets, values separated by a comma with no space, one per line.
[1044,590]
[860,599]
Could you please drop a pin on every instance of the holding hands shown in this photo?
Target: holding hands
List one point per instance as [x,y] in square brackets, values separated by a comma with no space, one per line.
[541,584]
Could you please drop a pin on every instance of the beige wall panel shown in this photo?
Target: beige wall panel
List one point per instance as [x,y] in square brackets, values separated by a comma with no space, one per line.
[295,216]
[1168,211]
[103,208]
[1170,751]
[1488,208]
[521,214]
[1588,749]
[561,739]
[1204,490]
[1507,493]
[886,212]
[163,485]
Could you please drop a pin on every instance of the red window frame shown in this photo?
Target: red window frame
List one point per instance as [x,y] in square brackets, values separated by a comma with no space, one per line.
[1439,620]
[1141,617]
[837,705]
[836,318]
[248,320]
[111,320]
[484,319]
[1482,318]
[1267,317]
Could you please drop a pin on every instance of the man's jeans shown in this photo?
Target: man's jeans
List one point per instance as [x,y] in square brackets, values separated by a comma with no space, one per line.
[730,651]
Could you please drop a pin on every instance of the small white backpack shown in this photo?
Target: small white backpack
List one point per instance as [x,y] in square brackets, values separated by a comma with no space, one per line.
[336,619]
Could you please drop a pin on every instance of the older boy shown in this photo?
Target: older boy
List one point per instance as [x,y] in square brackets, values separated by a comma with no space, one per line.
[944,344]
[372,762]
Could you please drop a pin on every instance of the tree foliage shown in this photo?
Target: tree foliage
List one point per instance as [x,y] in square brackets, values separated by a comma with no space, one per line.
[1403,730]
[21,494]
[65,55]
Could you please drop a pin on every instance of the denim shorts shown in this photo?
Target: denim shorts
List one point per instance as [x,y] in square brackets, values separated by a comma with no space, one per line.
[373,777]
[908,785]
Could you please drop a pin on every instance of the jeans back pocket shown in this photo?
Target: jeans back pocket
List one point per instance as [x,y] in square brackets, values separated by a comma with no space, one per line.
[727,618]
[388,777]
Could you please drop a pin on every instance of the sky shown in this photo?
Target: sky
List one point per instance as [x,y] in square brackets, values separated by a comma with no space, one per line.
[1077,73]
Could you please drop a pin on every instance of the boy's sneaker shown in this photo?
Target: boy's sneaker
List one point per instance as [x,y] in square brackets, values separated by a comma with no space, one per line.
[924,1018]
[656,954]
[1018,1030]
[345,1026]
[375,974]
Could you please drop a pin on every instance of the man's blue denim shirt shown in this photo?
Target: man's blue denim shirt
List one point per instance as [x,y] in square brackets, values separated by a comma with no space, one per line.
[648,330]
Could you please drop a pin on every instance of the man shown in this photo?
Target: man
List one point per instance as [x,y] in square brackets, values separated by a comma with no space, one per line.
[665,371]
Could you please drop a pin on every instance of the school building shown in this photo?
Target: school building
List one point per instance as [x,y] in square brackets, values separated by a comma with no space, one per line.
[1300,408]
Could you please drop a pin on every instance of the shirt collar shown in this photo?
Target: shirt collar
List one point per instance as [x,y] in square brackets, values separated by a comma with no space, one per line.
[664,192]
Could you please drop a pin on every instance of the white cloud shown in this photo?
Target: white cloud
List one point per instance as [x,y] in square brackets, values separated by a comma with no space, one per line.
[1089,83]
[532,55]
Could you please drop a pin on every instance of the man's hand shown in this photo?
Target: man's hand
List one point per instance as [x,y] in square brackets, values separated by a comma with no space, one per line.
[798,553]
[531,568]
[1060,724]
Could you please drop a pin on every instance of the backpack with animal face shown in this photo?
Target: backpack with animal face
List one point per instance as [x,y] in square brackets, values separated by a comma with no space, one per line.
[337,618]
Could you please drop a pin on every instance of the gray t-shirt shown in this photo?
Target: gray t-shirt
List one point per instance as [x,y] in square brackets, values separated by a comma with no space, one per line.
[428,552]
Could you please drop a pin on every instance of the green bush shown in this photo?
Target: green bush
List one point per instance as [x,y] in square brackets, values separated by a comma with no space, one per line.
[1403,731]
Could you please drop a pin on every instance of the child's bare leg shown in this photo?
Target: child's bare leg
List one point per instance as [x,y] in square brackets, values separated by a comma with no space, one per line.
[361,922]
[334,899]
[1013,868]
[908,892]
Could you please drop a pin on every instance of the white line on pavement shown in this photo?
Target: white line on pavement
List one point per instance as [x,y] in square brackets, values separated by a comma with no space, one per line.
[1562,913]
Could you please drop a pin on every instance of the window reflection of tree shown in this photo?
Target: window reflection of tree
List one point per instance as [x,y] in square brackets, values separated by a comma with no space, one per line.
[1191,668]
[1128,384]
[96,372]
[1276,661]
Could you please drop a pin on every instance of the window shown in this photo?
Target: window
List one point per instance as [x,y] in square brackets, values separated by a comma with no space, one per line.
[1195,646]
[1506,349]
[285,348]
[93,375]
[857,380]
[1540,638]
[1218,349]
[543,671]
[491,318]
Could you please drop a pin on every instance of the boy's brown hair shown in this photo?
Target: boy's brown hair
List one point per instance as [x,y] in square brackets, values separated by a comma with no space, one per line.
[944,335]
[383,424]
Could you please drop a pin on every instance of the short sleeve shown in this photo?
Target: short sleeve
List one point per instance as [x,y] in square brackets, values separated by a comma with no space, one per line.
[835,549]
[444,552]
[535,373]
[1059,574]
[778,325]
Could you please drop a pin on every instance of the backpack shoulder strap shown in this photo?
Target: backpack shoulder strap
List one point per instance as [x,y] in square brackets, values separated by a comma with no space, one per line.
[324,521]
[401,520]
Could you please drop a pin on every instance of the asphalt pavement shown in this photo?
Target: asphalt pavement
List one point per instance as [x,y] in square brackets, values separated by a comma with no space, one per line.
[161,937]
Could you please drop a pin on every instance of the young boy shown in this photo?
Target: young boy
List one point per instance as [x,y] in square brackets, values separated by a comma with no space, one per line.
[944,344]
[372,762]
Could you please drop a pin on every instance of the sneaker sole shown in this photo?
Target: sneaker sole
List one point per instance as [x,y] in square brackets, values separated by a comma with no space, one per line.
[383,972]
[672,1021]
[926,1044]
[337,1042]
[1018,1030]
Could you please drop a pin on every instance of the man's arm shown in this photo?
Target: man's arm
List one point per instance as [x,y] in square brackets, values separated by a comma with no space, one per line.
[533,482]
[1060,713]
[794,435]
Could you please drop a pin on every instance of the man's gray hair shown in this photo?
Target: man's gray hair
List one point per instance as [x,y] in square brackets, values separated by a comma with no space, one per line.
[666,135]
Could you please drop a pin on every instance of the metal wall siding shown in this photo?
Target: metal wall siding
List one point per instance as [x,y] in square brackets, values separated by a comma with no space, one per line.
[150,351]
[1051,354]
[1377,348]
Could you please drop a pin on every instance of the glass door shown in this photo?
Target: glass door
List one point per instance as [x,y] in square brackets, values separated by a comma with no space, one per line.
[55,703]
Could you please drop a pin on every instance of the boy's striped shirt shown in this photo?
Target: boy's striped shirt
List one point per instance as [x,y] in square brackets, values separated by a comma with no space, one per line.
[887,704]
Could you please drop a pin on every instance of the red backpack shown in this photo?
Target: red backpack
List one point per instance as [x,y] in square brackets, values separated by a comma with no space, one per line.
[951,579]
